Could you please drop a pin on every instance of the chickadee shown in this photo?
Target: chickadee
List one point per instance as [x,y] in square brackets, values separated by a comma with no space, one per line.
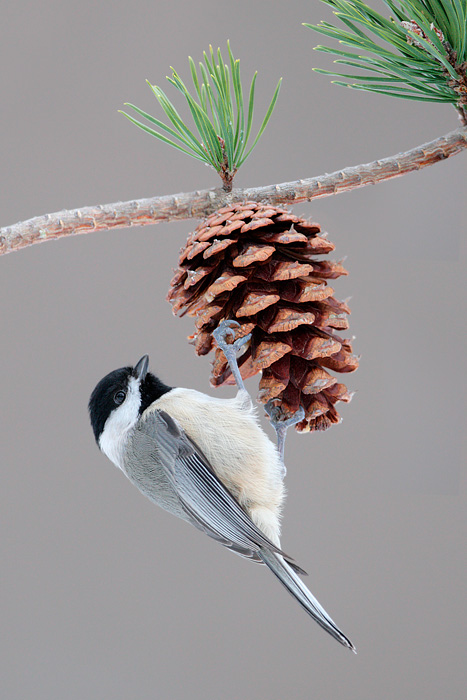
[205,460]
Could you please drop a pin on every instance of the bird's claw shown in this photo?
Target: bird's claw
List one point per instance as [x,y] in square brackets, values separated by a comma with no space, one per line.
[274,413]
[282,425]
[227,328]
[298,416]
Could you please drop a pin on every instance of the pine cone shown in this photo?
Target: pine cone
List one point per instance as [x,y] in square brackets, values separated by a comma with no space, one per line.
[259,265]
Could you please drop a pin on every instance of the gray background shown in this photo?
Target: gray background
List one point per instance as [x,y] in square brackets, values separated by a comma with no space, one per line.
[103,596]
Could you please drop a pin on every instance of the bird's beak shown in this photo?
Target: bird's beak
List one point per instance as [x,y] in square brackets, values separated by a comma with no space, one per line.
[141,369]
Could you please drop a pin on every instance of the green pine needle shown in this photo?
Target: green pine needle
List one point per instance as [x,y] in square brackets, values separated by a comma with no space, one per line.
[418,53]
[221,132]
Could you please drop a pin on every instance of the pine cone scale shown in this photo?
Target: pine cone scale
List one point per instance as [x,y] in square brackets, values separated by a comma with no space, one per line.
[255,302]
[252,254]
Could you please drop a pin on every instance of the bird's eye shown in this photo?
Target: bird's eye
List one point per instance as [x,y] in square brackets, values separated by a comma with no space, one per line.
[119,397]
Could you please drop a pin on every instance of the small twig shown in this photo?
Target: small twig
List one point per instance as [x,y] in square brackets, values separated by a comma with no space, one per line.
[201,203]
[226,174]
[459,85]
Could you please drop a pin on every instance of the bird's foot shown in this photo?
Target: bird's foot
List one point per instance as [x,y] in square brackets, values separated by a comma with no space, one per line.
[281,426]
[226,329]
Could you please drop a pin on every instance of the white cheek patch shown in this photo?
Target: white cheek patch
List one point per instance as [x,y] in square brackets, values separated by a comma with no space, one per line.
[120,422]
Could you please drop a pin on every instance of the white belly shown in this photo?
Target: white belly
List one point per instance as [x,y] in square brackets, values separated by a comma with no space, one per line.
[240,453]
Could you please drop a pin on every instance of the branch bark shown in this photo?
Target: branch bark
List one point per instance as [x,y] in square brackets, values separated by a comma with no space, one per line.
[154,210]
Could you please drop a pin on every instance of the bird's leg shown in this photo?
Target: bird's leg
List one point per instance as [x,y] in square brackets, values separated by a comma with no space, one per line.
[281,426]
[221,333]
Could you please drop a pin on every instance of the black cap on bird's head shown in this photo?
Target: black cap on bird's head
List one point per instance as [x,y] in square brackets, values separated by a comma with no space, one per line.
[131,388]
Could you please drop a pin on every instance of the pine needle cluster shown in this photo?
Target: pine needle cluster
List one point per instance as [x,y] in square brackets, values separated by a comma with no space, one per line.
[418,53]
[222,125]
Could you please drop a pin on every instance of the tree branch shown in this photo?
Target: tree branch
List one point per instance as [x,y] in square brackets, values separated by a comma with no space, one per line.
[198,204]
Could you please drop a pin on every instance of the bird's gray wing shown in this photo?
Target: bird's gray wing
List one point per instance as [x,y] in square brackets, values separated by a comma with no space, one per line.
[213,509]
[206,500]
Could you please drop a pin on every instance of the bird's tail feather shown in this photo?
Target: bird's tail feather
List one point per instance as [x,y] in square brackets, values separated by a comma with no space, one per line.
[300,592]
